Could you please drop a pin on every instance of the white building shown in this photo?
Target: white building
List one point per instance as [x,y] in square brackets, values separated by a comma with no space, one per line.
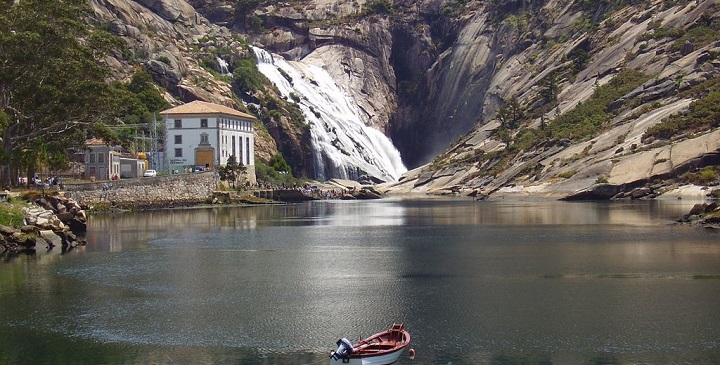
[206,135]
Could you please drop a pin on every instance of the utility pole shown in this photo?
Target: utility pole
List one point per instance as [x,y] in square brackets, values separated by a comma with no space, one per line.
[154,141]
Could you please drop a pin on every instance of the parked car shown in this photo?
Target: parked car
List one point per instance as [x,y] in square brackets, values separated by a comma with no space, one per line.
[150,173]
[199,169]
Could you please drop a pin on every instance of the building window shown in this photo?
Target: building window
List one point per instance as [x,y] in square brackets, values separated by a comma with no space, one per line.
[178,139]
[203,123]
[101,158]
[247,151]
[92,158]
[204,138]
[178,152]
[178,123]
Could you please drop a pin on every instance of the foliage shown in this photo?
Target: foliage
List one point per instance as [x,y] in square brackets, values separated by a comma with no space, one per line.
[590,117]
[232,170]
[246,76]
[550,88]
[511,114]
[704,176]
[139,99]
[11,213]
[246,6]
[137,104]
[51,84]
[278,163]
[580,58]
[699,36]
[268,175]
[704,114]
[377,7]
[594,5]
[567,174]
[527,139]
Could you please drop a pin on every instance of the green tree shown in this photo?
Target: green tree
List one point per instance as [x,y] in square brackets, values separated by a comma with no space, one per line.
[52,86]
[232,170]
[549,89]
[139,101]
[278,163]
[246,76]
[511,114]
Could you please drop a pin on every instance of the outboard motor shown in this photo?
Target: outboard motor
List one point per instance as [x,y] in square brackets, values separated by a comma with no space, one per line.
[344,349]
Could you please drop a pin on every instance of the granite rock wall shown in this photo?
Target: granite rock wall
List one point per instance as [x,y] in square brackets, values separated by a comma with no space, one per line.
[140,193]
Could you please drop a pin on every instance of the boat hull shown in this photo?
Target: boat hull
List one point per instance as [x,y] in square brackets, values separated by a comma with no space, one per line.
[383,348]
[385,359]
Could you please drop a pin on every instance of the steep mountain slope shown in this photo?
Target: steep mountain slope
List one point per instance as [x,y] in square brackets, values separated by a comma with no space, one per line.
[550,97]
[616,155]
[180,50]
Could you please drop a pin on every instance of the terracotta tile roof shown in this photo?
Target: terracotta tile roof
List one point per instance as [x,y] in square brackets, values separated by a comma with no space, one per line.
[203,107]
[95,142]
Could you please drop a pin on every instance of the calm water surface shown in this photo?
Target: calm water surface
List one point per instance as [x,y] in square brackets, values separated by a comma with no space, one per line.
[474,282]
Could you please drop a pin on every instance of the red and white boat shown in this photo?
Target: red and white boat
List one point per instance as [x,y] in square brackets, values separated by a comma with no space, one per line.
[379,349]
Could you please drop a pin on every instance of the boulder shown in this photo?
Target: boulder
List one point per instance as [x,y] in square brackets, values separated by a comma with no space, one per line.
[596,192]
[51,238]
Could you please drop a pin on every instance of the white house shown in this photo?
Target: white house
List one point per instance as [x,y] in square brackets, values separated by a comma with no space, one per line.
[206,134]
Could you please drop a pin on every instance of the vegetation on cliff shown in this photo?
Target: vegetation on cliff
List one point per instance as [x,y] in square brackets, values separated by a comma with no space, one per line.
[704,114]
[54,89]
[51,85]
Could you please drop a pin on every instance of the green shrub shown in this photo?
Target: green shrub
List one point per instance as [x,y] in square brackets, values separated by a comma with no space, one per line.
[164,59]
[589,118]
[704,114]
[567,174]
[11,214]
[246,76]
[700,36]
[707,175]
[269,175]
[377,7]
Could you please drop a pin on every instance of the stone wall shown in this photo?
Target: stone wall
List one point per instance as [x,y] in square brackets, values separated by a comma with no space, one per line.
[149,192]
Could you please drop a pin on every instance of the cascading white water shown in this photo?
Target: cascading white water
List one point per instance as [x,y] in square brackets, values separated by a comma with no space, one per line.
[343,146]
[224,70]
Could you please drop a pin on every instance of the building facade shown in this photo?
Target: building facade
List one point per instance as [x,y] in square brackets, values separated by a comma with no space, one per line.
[204,135]
[102,162]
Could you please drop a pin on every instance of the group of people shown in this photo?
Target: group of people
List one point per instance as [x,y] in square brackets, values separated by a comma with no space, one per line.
[36,181]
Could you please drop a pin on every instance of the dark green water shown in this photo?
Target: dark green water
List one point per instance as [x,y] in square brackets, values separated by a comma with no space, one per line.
[474,282]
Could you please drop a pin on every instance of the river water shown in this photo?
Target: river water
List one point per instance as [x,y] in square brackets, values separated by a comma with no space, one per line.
[532,282]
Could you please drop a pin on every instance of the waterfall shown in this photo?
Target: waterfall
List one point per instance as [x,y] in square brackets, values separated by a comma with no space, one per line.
[343,146]
[223,65]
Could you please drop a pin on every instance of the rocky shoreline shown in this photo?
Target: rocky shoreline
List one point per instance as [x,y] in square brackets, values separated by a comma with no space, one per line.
[52,221]
[703,215]
[60,221]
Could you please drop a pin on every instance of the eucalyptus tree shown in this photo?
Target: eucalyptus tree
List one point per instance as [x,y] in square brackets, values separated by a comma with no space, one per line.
[52,83]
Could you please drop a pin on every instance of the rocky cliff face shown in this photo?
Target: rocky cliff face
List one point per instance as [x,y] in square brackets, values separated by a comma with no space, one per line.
[439,77]
[507,64]
[178,47]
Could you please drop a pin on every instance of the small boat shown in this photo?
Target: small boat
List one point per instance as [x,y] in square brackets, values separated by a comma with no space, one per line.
[379,349]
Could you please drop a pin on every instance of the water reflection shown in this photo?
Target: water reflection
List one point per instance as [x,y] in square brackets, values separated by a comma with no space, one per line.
[475,282]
